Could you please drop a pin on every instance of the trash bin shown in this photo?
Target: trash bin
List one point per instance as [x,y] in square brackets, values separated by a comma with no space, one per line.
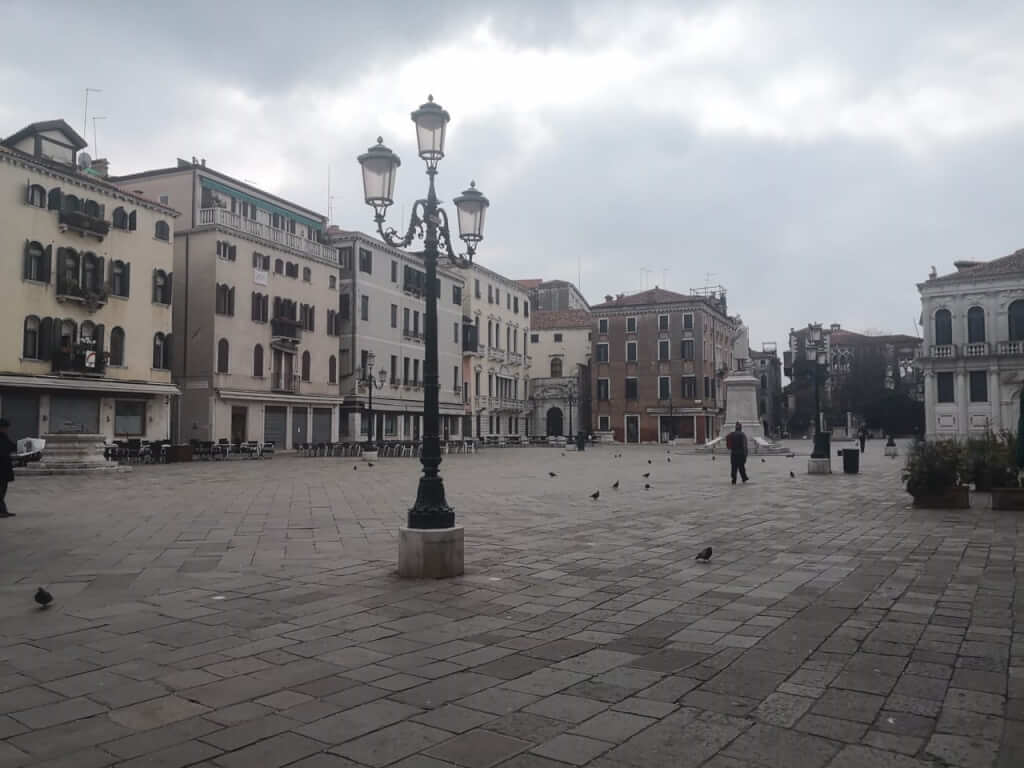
[851,460]
[581,440]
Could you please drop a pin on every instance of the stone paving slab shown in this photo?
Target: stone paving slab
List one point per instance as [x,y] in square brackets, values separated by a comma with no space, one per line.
[247,614]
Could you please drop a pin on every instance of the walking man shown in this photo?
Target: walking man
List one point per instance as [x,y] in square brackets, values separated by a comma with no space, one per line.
[862,436]
[7,447]
[736,442]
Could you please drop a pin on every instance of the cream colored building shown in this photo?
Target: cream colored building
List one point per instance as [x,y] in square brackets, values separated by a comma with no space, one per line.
[382,310]
[560,344]
[498,369]
[88,287]
[256,298]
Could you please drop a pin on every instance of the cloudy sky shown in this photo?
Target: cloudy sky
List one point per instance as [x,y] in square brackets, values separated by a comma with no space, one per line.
[814,158]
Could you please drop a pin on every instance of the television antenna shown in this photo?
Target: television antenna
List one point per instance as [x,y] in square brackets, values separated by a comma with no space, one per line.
[95,143]
[85,108]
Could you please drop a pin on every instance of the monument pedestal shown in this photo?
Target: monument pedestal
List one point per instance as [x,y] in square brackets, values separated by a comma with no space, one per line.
[72,455]
[741,405]
[819,466]
[425,553]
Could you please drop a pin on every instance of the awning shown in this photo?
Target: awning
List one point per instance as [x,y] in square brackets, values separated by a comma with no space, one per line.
[277,397]
[111,386]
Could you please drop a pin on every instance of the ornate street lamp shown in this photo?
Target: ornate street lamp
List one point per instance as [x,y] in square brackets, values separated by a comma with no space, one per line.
[571,400]
[429,223]
[371,384]
[818,355]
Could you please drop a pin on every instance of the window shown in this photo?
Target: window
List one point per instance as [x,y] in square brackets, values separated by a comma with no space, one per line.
[764,381]
[162,231]
[226,250]
[630,325]
[278,266]
[490,294]
[222,356]
[117,347]
[406,314]
[1015,315]
[161,287]
[515,304]
[664,388]
[92,280]
[603,423]
[508,300]
[662,322]
[129,417]
[602,352]
[30,338]
[631,351]
[36,196]
[558,338]
[405,371]
[944,387]
[225,300]
[456,328]
[978,385]
[663,353]
[603,392]
[119,220]
[632,388]
[257,361]
[687,350]
[53,200]
[476,288]
[556,367]
[455,378]
[345,258]
[394,271]
[306,364]
[416,372]
[707,388]
[260,307]
[307,275]
[944,327]
[119,278]
[261,261]
[689,387]
[37,262]
[332,282]
[497,296]
[526,308]
[344,308]
[365,261]
[164,200]
[291,269]
[457,295]
[416,322]
[688,322]
[390,423]
[160,352]
[535,338]
[364,307]
[602,325]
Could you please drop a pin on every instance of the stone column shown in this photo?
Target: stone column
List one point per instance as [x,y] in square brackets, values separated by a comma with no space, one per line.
[995,399]
[961,404]
[929,403]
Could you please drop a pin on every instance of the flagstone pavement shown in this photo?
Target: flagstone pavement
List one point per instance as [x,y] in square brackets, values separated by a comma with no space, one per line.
[247,613]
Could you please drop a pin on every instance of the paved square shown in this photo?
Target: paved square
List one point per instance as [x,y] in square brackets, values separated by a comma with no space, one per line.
[248,613]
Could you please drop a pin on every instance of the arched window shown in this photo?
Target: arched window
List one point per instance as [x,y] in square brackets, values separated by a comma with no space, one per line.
[944,327]
[120,219]
[119,278]
[1015,315]
[37,196]
[91,278]
[117,346]
[161,287]
[305,365]
[162,231]
[30,338]
[87,330]
[160,351]
[278,267]
[257,361]
[67,334]
[975,325]
[332,370]
[91,208]
[72,204]
[37,264]
[53,200]
[307,274]
[222,356]
[556,367]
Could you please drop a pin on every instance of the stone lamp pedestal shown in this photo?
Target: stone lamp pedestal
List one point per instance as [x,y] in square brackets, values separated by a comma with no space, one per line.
[437,553]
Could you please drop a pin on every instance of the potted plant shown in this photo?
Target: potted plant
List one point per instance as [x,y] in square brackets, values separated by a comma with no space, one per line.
[1006,490]
[985,457]
[934,474]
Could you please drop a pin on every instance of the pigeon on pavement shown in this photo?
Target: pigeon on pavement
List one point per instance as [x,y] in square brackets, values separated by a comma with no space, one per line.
[615,484]
[595,494]
[647,474]
[791,473]
[648,461]
[552,474]
[647,486]
[704,555]
[43,597]
[369,463]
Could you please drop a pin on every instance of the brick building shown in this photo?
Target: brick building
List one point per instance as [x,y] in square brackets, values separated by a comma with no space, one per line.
[657,365]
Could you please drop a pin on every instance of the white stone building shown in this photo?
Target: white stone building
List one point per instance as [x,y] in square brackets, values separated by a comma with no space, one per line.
[258,367]
[498,370]
[973,355]
[560,344]
[382,311]
[86,294]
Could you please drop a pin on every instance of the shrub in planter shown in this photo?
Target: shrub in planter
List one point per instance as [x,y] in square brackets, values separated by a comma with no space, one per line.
[985,459]
[935,472]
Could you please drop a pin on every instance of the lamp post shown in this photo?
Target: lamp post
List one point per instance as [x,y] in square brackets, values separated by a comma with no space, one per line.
[818,355]
[371,384]
[429,223]
[570,399]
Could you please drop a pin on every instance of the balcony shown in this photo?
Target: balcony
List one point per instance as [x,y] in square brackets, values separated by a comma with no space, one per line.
[1011,348]
[284,382]
[83,224]
[285,328]
[976,349]
[943,351]
[495,354]
[224,218]
[408,333]
[71,290]
[516,358]
[81,359]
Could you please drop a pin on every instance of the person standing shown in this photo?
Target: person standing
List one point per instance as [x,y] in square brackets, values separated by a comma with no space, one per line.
[862,436]
[7,447]
[736,442]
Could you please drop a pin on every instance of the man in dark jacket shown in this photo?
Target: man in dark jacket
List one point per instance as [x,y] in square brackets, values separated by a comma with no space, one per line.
[7,447]
[736,442]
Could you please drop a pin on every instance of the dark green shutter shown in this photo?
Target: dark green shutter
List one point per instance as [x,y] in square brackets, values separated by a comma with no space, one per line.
[26,261]
[170,287]
[126,279]
[45,337]
[98,336]
[47,262]
[131,221]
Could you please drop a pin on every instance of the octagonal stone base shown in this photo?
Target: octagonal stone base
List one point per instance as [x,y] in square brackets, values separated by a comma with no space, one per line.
[819,466]
[431,554]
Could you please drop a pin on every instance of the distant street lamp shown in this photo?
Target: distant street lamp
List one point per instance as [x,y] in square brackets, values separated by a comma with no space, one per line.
[429,223]
[817,354]
[571,398]
[371,383]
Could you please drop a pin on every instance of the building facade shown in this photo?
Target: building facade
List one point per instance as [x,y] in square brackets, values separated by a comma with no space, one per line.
[767,368]
[973,353]
[560,348]
[658,361]
[258,367]
[382,312]
[554,295]
[498,370]
[88,293]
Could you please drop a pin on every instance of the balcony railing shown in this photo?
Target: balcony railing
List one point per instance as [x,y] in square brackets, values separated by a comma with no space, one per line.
[408,333]
[943,351]
[71,290]
[81,359]
[284,382]
[976,349]
[285,328]
[516,358]
[224,218]
[1011,348]
[498,355]
[81,222]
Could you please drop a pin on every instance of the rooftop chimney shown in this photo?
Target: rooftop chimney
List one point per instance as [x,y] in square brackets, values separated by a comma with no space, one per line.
[203,162]
[608,297]
[835,327]
[101,166]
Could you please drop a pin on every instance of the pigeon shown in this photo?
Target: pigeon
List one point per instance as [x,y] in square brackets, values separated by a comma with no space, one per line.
[369,463]
[762,461]
[648,461]
[647,474]
[669,459]
[712,457]
[647,486]
[704,555]
[43,597]
[595,494]
[615,485]
[355,467]
[552,474]
[791,473]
